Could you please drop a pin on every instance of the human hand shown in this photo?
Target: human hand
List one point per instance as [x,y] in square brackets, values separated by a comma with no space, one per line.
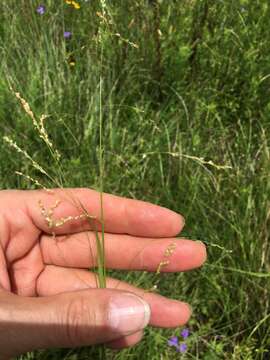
[49,299]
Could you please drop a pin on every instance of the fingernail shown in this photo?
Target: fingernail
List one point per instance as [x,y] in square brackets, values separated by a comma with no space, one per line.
[201,242]
[128,313]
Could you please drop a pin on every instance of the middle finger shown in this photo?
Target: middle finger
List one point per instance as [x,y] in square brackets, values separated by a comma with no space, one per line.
[123,252]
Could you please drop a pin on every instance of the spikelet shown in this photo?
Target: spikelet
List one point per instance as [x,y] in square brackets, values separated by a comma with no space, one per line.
[38,124]
[199,160]
[13,144]
[55,223]
[34,181]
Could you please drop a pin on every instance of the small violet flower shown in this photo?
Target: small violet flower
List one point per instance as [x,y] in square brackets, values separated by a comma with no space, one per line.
[182,347]
[41,9]
[67,34]
[173,341]
[185,333]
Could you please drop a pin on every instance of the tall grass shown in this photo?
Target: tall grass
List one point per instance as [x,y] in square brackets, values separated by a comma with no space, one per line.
[180,87]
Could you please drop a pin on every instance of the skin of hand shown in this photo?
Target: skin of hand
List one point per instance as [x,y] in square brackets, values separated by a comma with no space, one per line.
[48,296]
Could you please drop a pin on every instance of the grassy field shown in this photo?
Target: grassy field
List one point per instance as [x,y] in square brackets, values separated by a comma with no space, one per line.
[181,89]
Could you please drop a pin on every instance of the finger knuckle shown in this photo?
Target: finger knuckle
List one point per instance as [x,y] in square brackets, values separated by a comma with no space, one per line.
[80,322]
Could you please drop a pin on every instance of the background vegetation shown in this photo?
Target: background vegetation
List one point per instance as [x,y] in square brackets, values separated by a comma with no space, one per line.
[184,84]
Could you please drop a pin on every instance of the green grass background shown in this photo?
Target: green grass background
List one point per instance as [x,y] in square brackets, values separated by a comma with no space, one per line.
[179,80]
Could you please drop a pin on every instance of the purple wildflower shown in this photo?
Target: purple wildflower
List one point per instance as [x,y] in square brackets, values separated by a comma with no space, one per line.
[41,9]
[185,333]
[173,341]
[182,347]
[179,347]
[67,34]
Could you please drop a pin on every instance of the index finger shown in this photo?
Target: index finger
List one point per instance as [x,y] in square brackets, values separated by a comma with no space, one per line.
[63,211]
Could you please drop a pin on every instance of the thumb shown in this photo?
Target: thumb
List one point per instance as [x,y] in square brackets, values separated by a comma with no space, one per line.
[67,320]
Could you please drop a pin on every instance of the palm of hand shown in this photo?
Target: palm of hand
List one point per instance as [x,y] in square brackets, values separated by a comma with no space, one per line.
[21,255]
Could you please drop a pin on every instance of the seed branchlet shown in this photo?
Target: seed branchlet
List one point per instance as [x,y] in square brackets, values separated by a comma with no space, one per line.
[34,181]
[55,223]
[161,265]
[38,124]
[168,252]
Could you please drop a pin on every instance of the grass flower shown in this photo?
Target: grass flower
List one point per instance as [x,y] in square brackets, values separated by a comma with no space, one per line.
[41,9]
